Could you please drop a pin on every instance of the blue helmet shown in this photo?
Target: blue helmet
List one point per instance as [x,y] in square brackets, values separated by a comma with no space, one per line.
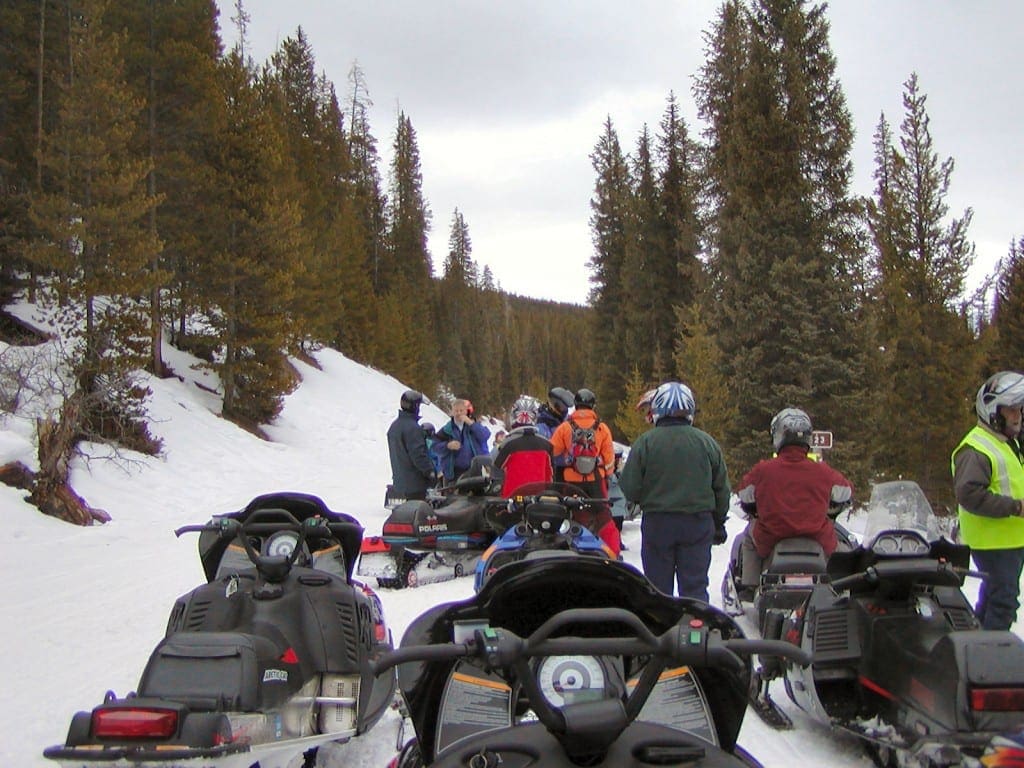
[673,399]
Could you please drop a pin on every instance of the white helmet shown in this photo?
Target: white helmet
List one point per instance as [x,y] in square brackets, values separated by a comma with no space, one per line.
[673,399]
[791,426]
[1005,388]
[524,411]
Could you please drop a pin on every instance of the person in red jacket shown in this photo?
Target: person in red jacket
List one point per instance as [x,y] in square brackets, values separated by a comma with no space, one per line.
[791,494]
[524,455]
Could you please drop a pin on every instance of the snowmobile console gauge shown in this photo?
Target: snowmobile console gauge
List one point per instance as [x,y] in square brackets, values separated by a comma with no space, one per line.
[899,544]
[281,544]
[571,679]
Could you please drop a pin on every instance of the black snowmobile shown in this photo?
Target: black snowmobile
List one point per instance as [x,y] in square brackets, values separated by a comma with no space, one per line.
[263,664]
[899,657]
[438,539]
[784,582]
[569,660]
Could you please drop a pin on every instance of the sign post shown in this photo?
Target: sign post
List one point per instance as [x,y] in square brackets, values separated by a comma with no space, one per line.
[820,441]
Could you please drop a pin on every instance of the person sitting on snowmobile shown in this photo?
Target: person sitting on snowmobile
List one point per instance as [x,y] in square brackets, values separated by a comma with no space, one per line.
[460,440]
[550,415]
[524,455]
[412,470]
[789,495]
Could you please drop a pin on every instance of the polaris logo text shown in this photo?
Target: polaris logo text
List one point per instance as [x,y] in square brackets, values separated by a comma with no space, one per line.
[275,676]
[433,528]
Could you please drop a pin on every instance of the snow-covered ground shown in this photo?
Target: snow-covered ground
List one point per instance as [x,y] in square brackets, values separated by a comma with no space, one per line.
[83,607]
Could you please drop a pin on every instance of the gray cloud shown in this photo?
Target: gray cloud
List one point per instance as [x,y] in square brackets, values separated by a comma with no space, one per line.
[508,100]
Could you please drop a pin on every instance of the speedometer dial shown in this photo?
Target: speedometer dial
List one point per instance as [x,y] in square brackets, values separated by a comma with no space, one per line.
[568,679]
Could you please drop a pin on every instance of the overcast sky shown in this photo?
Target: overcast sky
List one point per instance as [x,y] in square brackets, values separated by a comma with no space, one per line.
[509,98]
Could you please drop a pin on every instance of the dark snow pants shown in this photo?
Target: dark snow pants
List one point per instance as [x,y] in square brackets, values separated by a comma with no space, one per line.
[997,599]
[676,547]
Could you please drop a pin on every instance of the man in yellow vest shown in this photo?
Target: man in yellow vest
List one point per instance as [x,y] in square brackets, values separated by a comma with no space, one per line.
[989,482]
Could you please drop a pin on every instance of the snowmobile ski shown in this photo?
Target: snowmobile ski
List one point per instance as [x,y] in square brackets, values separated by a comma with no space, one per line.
[765,706]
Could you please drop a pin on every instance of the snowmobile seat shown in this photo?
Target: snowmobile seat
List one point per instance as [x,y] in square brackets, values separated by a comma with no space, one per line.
[798,555]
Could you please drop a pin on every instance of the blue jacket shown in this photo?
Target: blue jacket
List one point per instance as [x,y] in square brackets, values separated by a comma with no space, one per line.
[473,439]
[547,423]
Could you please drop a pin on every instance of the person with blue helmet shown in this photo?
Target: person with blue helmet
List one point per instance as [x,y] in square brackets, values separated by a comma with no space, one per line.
[677,474]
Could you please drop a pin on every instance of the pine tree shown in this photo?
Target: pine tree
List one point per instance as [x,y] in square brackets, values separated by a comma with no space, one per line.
[171,55]
[92,214]
[785,248]
[406,271]
[370,201]
[1008,313]
[610,223]
[921,258]
[249,277]
[629,422]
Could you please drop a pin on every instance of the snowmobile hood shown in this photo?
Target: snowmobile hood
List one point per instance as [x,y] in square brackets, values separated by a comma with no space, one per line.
[520,596]
[301,506]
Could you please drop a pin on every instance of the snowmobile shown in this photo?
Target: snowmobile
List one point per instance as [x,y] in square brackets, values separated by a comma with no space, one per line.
[439,539]
[260,666]
[538,519]
[568,660]
[786,579]
[899,658]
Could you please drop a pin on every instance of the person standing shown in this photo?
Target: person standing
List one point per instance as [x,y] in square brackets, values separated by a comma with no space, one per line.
[677,474]
[550,415]
[988,480]
[460,440]
[412,471]
[588,473]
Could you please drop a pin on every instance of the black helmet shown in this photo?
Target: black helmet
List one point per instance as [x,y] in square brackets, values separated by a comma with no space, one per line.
[411,400]
[428,428]
[585,399]
[561,399]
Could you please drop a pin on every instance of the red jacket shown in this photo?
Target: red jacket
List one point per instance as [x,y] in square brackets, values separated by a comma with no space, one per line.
[526,458]
[792,493]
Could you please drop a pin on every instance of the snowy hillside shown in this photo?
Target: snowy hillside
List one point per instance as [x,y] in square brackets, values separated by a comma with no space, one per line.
[82,608]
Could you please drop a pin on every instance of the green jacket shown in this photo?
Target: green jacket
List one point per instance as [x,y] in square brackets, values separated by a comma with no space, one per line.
[676,467]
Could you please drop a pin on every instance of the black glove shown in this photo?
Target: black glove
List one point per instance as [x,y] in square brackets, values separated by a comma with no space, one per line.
[720,535]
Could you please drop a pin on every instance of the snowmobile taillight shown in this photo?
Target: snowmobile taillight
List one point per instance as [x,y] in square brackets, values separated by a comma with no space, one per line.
[290,657]
[997,699]
[129,723]
[396,528]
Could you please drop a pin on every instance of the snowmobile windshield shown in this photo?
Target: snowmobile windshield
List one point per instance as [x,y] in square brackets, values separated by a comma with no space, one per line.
[900,505]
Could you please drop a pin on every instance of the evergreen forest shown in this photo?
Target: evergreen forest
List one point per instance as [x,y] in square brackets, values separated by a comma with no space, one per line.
[155,186]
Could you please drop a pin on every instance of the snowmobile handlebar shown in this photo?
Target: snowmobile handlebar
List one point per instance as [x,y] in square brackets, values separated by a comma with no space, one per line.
[684,643]
[688,643]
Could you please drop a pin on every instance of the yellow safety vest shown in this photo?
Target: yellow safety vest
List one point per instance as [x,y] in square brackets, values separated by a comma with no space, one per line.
[978,531]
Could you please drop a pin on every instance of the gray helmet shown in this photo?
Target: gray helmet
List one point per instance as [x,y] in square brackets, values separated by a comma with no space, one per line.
[1005,388]
[791,426]
[411,401]
[561,399]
